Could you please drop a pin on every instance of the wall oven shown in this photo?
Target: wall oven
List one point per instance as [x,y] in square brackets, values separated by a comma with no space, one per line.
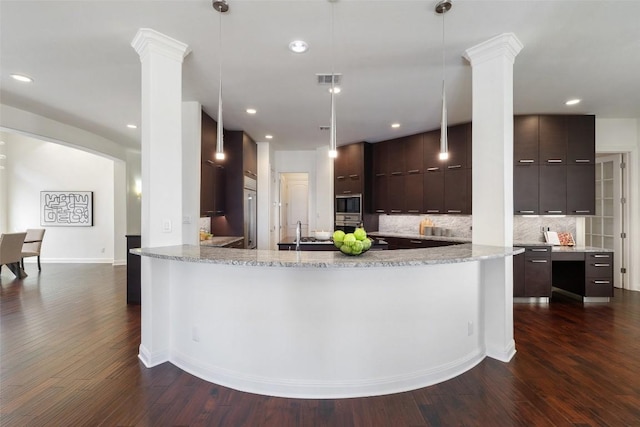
[348,212]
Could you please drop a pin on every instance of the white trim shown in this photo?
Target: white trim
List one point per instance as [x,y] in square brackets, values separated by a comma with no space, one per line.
[314,389]
[152,359]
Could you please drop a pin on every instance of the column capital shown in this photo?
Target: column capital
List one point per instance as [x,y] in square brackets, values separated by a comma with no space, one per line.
[504,45]
[148,40]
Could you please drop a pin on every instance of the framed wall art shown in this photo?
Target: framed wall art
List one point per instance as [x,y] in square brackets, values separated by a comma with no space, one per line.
[66,208]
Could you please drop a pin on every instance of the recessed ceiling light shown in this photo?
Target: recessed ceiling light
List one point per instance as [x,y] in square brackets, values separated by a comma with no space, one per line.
[132,126]
[269,136]
[395,125]
[298,46]
[251,111]
[3,156]
[22,78]
[572,102]
[336,89]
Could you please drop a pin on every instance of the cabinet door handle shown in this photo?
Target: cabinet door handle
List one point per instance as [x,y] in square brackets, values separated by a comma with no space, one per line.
[526,212]
[340,177]
[419,242]
[601,282]
[538,261]
[583,211]
[583,161]
[601,265]
[395,211]
[554,212]
[600,256]
[379,210]
[413,211]
[380,174]
[554,161]
[346,191]
[412,171]
[526,161]
[396,173]
[454,167]
[432,169]
[538,250]
[353,176]
[433,210]
[454,211]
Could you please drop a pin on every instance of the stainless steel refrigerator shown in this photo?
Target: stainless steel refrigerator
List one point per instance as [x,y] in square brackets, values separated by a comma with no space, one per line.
[250,213]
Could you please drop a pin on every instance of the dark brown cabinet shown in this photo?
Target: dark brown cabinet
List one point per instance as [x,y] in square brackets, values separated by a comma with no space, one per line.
[581,142]
[250,157]
[414,154]
[525,140]
[561,180]
[447,183]
[433,201]
[413,193]
[532,272]
[212,177]
[552,140]
[581,198]
[349,169]
[525,189]
[553,190]
[586,274]
[395,194]
[456,193]
[599,274]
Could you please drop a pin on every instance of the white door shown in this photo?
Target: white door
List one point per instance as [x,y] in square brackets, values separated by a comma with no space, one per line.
[605,229]
[293,204]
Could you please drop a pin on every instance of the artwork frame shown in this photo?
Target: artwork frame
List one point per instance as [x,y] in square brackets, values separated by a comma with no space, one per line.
[66,208]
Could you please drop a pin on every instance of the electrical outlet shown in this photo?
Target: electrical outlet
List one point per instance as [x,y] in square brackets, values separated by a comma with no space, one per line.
[186,219]
[166,226]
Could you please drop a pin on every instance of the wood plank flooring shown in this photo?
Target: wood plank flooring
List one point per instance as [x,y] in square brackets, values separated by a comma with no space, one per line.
[69,348]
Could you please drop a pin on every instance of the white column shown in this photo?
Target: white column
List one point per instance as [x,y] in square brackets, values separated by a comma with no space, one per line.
[492,135]
[162,180]
[191,148]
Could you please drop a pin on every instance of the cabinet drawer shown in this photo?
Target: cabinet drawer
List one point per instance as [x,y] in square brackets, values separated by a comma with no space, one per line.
[598,287]
[602,268]
[537,252]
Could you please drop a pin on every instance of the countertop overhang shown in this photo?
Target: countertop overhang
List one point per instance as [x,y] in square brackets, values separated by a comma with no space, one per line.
[330,259]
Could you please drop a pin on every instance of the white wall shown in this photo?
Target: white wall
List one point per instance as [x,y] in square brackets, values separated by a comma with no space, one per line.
[3,185]
[33,166]
[191,146]
[623,136]
[319,167]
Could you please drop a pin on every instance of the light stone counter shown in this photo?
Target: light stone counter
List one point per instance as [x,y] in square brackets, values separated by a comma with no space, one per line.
[328,259]
[220,241]
[324,324]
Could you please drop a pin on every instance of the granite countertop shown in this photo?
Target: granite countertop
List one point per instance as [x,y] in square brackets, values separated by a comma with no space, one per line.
[327,259]
[468,240]
[219,241]
[419,236]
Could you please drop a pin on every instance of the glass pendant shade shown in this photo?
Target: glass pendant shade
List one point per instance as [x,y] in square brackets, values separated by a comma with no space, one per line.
[444,144]
[333,150]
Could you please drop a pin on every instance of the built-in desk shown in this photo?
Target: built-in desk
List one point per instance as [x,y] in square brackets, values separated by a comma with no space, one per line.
[585,273]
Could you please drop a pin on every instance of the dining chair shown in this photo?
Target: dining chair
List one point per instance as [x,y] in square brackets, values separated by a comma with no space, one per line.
[32,245]
[11,251]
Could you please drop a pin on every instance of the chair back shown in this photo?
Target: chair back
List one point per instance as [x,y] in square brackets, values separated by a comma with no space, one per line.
[11,247]
[35,236]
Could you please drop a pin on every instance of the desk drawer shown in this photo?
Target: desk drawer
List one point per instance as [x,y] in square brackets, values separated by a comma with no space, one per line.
[599,268]
[537,251]
[598,287]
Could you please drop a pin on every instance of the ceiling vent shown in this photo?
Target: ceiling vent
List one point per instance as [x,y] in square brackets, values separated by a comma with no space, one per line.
[325,79]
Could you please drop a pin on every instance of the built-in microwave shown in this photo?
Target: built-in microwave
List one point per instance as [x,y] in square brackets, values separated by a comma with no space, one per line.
[349,204]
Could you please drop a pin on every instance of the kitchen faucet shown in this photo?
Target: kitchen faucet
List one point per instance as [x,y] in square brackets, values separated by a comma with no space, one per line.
[298,235]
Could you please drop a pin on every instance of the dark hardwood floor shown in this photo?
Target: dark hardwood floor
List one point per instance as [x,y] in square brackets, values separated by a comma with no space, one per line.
[69,348]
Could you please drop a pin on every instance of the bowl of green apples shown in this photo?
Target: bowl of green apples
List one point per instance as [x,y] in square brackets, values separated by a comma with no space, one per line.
[352,244]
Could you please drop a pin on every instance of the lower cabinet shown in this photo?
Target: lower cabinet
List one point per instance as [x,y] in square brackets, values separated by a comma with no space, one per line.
[532,272]
[408,243]
[599,274]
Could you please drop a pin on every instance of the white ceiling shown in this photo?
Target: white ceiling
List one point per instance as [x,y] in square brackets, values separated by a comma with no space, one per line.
[86,73]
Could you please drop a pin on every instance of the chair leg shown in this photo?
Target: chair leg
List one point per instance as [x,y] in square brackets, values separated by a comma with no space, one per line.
[39,269]
[22,263]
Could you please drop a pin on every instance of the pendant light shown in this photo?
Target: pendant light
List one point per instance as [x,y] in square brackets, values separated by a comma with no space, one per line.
[443,7]
[333,149]
[221,6]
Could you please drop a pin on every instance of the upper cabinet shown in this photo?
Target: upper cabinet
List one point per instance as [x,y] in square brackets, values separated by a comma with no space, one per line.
[525,140]
[349,169]
[581,142]
[250,157]
[561,179]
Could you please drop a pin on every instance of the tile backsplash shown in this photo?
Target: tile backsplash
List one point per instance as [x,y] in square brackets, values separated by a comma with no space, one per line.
[525,229]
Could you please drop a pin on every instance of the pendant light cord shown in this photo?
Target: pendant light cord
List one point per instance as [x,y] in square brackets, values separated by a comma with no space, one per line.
[443,47]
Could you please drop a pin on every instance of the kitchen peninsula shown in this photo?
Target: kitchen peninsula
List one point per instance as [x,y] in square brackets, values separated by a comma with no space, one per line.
[320,324]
